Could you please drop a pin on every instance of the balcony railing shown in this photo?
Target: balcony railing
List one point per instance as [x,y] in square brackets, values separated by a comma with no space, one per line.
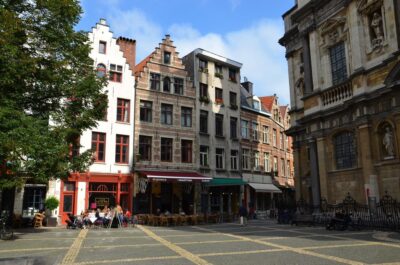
[337,93]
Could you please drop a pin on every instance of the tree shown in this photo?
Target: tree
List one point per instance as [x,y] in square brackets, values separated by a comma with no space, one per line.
[49,92]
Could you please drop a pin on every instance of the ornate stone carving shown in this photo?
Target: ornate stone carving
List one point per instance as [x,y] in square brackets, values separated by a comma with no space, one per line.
[388,142]
[299,85]
[377,33]
[332,31]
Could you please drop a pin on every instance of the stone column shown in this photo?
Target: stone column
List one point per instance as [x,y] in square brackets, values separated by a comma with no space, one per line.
[297,175]
[308,82]
[315,187]
[366,163]
[323,181]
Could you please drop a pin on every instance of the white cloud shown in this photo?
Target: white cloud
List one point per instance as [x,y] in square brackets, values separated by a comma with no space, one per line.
[256,47]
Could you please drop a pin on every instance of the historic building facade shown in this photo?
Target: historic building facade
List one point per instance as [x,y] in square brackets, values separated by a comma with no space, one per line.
[217,87]
[165,135]
[109,180]
[343,59]
[266,154]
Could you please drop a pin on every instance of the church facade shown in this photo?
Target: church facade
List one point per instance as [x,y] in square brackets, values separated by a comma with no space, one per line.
[344,70]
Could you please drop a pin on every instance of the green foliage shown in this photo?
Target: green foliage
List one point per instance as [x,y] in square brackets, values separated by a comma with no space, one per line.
[51,203]
[49,92]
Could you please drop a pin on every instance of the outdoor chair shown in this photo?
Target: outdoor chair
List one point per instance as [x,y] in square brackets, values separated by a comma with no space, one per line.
[38,220]
[163,220]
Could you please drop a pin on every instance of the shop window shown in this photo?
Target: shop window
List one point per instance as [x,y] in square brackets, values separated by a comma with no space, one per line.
[34,198]
[145,147]
[123,108]
[99,146]
[122,149]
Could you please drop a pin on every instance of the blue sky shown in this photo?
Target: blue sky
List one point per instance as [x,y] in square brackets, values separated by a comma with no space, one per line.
[246,31]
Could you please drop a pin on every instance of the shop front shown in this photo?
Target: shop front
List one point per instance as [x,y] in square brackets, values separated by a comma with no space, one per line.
[225,196]
[89,191]
[173,192]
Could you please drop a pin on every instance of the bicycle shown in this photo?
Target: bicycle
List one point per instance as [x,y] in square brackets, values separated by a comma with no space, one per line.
[5,232]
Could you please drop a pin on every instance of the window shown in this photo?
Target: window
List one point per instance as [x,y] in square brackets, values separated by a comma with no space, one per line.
[254,129]
[203,121]
[218,71]
[166,149]
[245,129]
[155,81]
[246,159]
[345,150]
[102,47]
[115,73]
[178,86]
[186,117]
[288,173]
[167,57]
[287,142]
[256,160]
[123,108]
[275,164]
[101,70]
[166,114]
[167,85]
[233,128]
[74,148]
[338,63]
[122,149]
[232,75]
[203,90]
[274,140]
[282,140]
[219,158]
[219,125]
[219,98]
[256,105]
[282,167]
[203,156]
[203,66]
[145,147]
[233,99]
[266,134]
[146,108]
[99,146]
[267,166]
[234,159]
[186,151]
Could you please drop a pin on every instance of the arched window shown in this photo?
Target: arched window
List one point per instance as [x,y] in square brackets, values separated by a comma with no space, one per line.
[101,70]
[345,150]
[167,84]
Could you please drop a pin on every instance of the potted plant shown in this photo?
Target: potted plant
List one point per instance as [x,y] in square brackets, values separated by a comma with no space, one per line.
[51,204]
[204,99]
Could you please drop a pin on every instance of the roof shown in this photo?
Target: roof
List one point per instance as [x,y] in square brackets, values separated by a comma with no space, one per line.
[140,66]
[267,102]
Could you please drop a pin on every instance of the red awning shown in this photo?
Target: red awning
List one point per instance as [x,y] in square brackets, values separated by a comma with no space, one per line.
[178,176]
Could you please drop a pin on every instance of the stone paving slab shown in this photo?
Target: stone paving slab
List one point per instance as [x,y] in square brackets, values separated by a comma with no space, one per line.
[301,242]
[221,247]
[365,254]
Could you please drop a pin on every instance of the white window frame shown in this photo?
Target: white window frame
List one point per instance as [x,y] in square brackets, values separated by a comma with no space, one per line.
[266,138]
[246,159]
[267,164]
[234,160]
[256,160]
[221,157]
[254,128]
[244,130]
[204,156]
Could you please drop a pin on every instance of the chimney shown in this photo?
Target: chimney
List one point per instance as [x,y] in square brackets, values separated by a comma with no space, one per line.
[128,48]
[248,86]
[103,22]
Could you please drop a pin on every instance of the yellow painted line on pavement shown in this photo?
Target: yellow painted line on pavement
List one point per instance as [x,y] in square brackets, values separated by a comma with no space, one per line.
[209,242]
[341,246]
[299,251]
[31,249]
[73,251]
[126,260]
[240,252]
[184,253]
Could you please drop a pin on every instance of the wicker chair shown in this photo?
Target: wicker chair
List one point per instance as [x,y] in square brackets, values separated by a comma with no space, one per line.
[38,220]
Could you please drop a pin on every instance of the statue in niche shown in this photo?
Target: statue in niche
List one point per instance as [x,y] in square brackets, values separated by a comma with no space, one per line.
[377,29]
[388,141]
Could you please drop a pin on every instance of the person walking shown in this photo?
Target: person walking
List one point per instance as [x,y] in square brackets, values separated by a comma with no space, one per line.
[243,215]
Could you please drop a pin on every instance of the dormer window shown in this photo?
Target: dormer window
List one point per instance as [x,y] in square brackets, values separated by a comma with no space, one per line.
[167,58]
[256,105]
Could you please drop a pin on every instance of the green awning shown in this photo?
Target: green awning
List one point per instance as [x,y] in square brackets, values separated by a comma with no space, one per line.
[226,182]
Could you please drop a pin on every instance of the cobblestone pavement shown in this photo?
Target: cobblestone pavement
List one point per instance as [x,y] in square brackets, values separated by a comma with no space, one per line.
[261,242]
